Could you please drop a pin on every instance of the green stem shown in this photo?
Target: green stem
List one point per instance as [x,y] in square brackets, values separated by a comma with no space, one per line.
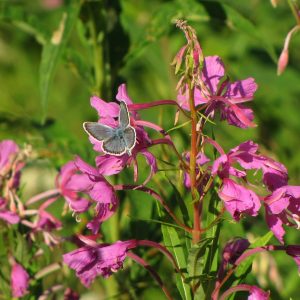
[294,10]
[98,56]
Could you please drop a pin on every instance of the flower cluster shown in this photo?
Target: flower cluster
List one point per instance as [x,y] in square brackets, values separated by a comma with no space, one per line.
[241,181]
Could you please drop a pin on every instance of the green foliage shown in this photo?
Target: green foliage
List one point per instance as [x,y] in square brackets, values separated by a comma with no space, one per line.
[53,60]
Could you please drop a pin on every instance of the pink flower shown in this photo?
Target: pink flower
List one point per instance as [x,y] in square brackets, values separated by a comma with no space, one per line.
[8,153]
[108,112]
[238,200]
[47,222]
[19,280]
[283,208]
[71,183]
[79,177]
[102,259]
[231,252]
[234,249]
[226,96]
[274,173]
[258,294]
[7,215]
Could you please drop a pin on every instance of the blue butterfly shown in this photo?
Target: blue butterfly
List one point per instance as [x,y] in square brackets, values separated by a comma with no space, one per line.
[115,141]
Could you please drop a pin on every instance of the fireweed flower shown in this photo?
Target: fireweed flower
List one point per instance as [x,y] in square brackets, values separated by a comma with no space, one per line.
[237,198]
[79,177]
[283,208]
[9,167]
[231,252]
[108,113]
[71,183]
[7,215]
[19,280]
[234,249]
[220,94]
[246,155]
[101,259]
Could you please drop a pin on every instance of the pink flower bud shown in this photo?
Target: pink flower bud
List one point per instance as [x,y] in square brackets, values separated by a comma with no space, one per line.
[282,61]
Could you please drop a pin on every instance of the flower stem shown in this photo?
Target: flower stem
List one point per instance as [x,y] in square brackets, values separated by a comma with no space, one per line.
[193,155]
[45,195]
[294,10]
[162,249]
[240,287]
[157,197]
[246,254]
[154,274]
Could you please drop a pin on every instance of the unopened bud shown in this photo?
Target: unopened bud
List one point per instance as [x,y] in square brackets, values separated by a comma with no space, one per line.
[282,61]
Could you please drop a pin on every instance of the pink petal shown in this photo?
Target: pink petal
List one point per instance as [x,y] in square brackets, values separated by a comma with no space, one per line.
[278,201]
[7,149]
[122,94]
[104,109]
[276,225]
[110,165]
[238,199]
[241,89]
[19,281]
[213,72]
[9,216]
[88,262]
[102,192]
[85,168]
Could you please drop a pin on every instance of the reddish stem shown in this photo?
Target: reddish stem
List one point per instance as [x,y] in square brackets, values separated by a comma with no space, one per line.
[157,197]
[234,289]
[193,155]
[141,106]
[162,249]
[245,255]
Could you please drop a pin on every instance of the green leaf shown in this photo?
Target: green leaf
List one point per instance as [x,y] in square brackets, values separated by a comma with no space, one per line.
[195,264]
[173,243]
[53,49]
[26,22]
[180,201]
[211,211]
[246,264]
[21,252]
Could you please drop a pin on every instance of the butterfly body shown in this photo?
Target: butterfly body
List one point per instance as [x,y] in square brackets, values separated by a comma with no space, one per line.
[115,141]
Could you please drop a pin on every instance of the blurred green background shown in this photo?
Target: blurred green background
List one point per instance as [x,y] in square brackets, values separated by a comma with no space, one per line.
[45,89]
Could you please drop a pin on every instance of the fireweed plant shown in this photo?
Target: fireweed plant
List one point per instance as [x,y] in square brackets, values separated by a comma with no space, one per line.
[217,181]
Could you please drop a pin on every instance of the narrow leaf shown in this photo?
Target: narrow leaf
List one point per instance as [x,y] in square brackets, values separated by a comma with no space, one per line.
[53,49]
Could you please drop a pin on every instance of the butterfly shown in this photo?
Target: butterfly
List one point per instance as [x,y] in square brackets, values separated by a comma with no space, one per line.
[115,141]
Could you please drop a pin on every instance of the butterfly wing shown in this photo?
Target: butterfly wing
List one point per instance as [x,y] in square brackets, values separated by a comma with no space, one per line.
[129,137]
[124,119]
[99,131]
[115,146]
